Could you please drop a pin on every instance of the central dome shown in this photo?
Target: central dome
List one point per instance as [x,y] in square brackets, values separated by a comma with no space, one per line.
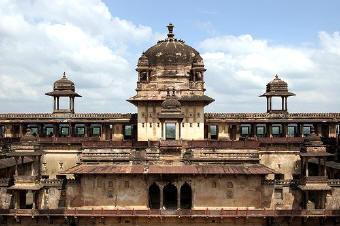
[171,52]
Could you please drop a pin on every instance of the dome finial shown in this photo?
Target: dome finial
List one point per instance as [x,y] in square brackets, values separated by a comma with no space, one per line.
[64,74]
[276,76]
[170,30]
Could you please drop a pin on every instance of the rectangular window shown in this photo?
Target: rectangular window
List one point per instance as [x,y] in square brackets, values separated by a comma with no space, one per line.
[2,131]
[213,132]
[80,131]
[170,131]
[49,131]
[127,132]
[260,131]
[276,130]
[291,131]
[64,131]
[306,130]
[245,131]
[95,131]
[34,131]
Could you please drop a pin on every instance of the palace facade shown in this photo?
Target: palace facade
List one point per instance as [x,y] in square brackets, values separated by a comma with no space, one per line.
[171,162]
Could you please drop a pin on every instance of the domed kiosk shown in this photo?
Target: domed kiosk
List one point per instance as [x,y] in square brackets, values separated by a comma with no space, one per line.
[170,64]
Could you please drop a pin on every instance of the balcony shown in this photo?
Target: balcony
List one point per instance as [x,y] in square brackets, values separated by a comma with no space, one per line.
[147,213]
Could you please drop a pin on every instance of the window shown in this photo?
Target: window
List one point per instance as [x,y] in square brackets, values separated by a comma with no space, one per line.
[127,132]
[95,131]
[64,131]
[306,130]
[34,131]
[213,132]
[49,131]
[245,130]
[80,131]
[278,194]
[260,131]
[170,131]
[276,130]
[229,194]
[2,130]
[291,130]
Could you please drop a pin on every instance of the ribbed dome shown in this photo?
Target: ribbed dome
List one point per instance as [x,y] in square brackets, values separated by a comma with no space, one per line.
[64,84]
[172,52]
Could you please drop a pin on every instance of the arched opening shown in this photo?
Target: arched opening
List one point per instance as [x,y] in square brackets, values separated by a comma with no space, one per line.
[186,196]
[170,196]
[154,196]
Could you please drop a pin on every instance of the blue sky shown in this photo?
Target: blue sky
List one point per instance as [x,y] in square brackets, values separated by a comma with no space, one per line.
[288,22]
[243,43]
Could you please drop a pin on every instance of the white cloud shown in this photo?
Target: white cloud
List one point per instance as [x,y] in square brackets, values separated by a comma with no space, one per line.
[240,66]
[39,40]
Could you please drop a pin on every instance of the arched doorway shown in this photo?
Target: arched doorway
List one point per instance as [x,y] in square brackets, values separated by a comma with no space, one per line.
[186,196]
[170,196]
[154,196]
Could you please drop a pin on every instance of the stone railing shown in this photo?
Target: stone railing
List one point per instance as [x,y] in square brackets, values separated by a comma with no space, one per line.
[285,183]
[315,180]
[334,182]
[65,115]
[52,182]
[204,213]
[4,182]
[224,156]
[25,179]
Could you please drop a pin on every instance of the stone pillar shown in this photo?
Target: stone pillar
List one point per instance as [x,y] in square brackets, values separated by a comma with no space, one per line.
[238,131]
[332,130]
[324,167]
[34,200]
[178,197]
[16,200]
[161,187]
[269,130]
[16,166]
[285,129]
[306,159]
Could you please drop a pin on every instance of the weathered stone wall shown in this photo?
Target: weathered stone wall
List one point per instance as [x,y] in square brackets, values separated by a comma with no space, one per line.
[5,198]
[333,198]
[56,161]
[284,161]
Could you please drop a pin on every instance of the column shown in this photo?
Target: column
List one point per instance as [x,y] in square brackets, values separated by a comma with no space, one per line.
[178,197]
[161,196]
[57,103]
[269,129]
[238,131]
[16,200]
[70,103]
[324,167]
[54,103]
[283,104]
[34,200]
[286,105]
[32,166]
[306,166]
[284,129]
[16,166]
[20,130]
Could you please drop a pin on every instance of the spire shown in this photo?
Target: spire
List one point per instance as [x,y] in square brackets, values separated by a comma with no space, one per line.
[64,75]
[170,31]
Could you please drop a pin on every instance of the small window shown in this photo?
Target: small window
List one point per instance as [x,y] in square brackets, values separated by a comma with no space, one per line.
[95,131]
[276,130]
[230,184]
[214,184]
[34,131]
[128,132]
[306,130]
[80,131]
[64,131]
[278,194]
[229,194]
[49,131]
[2,130]
[245,131]
[213,132]
[170,131]
[260,131]
[291,131]
[110,185]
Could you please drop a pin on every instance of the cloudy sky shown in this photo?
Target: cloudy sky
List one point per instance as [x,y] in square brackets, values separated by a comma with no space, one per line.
[244,44]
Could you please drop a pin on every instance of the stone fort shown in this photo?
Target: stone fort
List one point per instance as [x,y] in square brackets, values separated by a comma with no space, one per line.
[171,162]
